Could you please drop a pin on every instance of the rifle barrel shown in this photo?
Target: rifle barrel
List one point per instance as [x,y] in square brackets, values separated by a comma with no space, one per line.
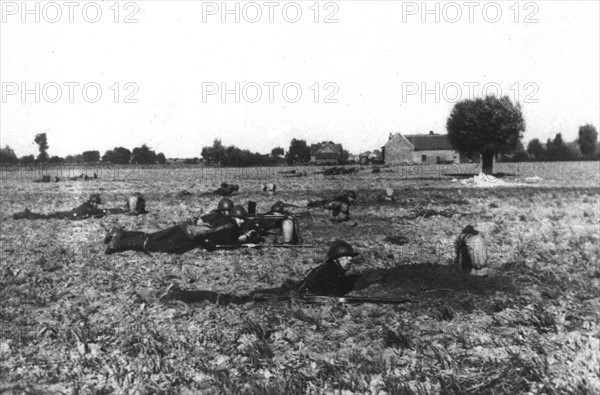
[258,246]
[321,299]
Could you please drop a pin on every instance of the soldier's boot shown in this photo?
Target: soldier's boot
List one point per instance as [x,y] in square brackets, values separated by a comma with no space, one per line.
[25,214]
[110,234]
[123,242]
[172,293]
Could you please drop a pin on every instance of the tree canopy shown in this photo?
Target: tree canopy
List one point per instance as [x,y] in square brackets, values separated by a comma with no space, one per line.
[7,155]
[299,152]
[42,141]
[588,139]
[91,156]
[118,155]
[277,151]
[487,126]
[143,155]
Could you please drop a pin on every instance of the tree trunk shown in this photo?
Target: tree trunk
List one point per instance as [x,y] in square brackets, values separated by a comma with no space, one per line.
[487,162]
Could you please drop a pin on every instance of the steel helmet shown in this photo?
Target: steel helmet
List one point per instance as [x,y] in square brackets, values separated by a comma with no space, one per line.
[239,211]
[95,198]
[351,194]
[225,204]
[277,207]
[340,248]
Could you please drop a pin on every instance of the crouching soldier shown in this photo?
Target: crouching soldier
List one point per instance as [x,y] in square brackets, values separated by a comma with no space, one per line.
[471,251]
[85,210]
[278,219]
[339,208]
[229,231]
[328,279]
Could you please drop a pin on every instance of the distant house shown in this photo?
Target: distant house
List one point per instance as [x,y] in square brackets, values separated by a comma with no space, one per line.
[421,148]
[326,153]
[353,158]
[370,157]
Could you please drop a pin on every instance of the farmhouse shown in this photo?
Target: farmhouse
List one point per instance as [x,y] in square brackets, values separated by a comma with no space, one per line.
[421,148]
[326,153]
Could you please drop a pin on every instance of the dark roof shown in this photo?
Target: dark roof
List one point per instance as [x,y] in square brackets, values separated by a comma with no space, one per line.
[315,148]
[327,155]
[430,142]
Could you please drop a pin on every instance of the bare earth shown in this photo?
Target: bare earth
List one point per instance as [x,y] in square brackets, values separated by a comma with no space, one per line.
[74,320]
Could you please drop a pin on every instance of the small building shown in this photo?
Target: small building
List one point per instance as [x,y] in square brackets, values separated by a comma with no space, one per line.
[370,157]
[353,158]
[326,153]
[421,148]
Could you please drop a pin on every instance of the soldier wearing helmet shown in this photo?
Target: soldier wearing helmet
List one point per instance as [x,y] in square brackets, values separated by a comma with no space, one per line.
[278,218]
[471,251]
[328,279]
[134,205]
[229,230]
[339,208]
[223,210]
[85,210]
[227,189]
[277,208]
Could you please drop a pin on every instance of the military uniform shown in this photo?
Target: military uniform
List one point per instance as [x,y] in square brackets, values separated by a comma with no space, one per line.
[181,238]
[85,210]
[135,205]
[327,279]
[339,207]
[227,189]
[285,222]
[471,251]
[212,218]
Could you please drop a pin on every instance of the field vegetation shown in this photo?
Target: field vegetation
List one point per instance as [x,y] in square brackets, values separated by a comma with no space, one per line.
[74,320]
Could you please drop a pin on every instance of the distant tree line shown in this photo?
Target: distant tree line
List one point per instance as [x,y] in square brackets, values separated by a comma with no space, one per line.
[585,147]
[118,155]
[297,154]
[218,154]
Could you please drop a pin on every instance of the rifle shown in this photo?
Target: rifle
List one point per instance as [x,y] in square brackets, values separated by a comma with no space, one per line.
[316,299]
[261,246]
[280,216]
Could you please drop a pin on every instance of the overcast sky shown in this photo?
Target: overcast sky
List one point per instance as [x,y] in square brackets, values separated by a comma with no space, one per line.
[366,71]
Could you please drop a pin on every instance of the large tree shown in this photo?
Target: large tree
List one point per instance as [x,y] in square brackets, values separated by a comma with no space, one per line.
[118,155]
[588,139]
[557,149]
[91,156]
[7,155]
[487,126]
[536,150]
[299,152]
[214,154]
[42,141]
[143,155]
[277,151]
[27,159]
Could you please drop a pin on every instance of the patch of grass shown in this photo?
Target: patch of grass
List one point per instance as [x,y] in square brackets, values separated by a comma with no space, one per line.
[77,321]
